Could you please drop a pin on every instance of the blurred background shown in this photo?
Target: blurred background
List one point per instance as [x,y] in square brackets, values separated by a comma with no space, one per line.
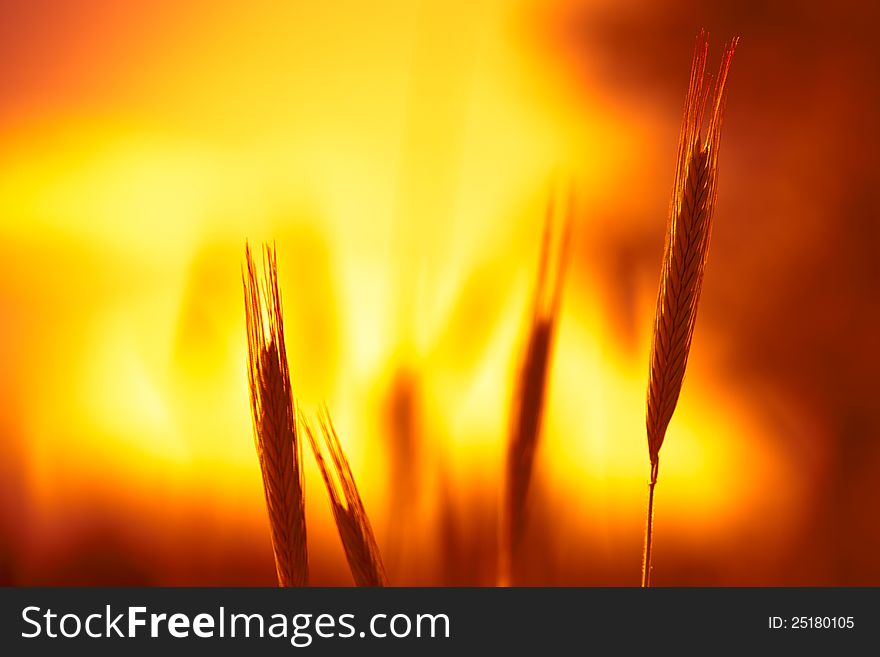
[400,154]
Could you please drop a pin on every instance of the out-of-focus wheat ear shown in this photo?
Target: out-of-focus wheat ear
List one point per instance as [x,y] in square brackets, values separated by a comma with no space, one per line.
[527,406]
[689,228]
[274,418]
[358,540]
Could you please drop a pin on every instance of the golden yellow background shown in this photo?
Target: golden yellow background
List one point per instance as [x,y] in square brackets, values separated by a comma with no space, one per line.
[400,154]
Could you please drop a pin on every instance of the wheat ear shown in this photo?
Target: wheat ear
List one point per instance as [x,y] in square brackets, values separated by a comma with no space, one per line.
[528,401]
[358,541]
[687,245]
[274,417]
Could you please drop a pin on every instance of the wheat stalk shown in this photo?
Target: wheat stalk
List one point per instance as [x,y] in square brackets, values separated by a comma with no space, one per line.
[528,401]
[274,417]
[684,259]
[358,541]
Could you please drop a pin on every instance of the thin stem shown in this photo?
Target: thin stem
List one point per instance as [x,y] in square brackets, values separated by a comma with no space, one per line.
[649,531]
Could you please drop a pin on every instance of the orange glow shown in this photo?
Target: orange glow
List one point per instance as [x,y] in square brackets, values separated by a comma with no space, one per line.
[399,154]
